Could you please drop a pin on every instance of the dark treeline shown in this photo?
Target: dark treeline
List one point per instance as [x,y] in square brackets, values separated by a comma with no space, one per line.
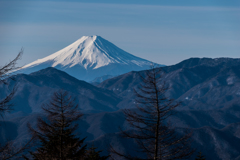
[55,137]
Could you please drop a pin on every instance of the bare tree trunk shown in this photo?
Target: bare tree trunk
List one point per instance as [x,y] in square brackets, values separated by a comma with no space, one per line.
[158,121]
[152,133]
[156,139]
[62,122]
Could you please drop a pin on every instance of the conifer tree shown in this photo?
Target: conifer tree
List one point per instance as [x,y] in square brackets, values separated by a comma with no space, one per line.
[200,156]
[152,133]
[56,132]
[92,154]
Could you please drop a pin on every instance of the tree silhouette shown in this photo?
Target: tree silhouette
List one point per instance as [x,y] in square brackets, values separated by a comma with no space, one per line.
[8,150]
[56,132]
[153,135]
[92,154]
[5,72]
[200,156]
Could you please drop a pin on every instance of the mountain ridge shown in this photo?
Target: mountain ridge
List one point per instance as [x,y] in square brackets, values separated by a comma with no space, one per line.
[197,86]
[37,88]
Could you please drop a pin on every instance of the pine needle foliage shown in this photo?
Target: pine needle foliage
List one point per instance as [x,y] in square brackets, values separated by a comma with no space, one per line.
[56,132]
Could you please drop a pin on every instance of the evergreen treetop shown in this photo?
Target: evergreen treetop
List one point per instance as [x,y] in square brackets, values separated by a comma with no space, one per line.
[55,133]
[200,156]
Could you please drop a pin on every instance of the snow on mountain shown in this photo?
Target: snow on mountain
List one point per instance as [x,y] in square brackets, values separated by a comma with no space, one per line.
[90,57]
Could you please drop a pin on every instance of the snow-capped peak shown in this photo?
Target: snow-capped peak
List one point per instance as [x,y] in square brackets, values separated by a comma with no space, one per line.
[89,52]
[89,57]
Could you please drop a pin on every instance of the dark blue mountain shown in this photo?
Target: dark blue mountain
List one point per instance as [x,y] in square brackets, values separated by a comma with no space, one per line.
[198,83]
[38,87]
[208,88]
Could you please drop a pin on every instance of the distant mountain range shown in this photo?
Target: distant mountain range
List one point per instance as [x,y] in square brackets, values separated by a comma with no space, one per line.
[208,88]
[36,88]
[198,83]
[88,58]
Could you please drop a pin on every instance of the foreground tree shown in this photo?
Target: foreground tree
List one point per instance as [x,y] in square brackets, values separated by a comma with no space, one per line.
[56,132]
[154,136]
[8,150]
[5,102]
[200,156]
[92,154]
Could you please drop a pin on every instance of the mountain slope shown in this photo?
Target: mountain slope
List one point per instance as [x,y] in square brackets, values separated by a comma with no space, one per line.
[38,87]
[90,57]
[208,84]
[215,132]
[207,89]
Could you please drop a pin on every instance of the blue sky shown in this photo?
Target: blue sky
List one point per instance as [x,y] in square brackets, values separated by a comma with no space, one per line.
[163,31]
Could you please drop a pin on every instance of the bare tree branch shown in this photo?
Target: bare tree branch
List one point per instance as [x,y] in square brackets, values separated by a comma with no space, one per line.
[5,72]
[153,134]
[9,151]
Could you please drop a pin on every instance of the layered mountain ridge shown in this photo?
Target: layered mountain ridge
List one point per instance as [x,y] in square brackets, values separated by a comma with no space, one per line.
[199,83]
[90,57]
[208,89]
[37,88]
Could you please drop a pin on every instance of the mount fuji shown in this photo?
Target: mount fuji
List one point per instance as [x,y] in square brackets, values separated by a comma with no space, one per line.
[88,58]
